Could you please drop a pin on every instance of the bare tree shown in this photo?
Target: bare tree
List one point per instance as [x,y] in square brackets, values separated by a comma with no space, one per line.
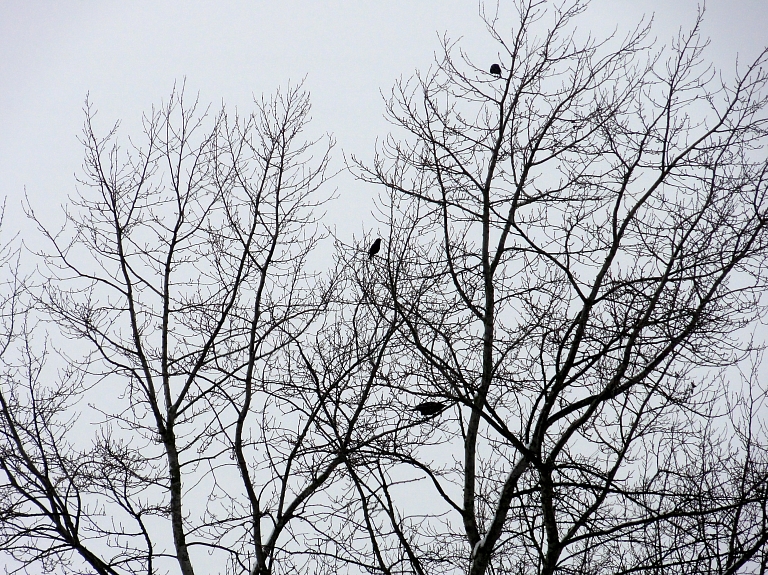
[577,257]
[222,376]
[549,364]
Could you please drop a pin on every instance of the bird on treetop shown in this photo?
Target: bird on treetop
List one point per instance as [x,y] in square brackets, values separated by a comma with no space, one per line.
[375,247]
[496,70]
[430,408]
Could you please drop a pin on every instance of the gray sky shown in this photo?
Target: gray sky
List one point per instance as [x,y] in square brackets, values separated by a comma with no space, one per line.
[127,55]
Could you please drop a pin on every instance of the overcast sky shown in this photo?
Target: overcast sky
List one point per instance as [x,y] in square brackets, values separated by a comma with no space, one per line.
[127,55]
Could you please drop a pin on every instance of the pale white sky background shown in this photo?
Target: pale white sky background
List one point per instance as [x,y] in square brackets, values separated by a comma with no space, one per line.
[127,55]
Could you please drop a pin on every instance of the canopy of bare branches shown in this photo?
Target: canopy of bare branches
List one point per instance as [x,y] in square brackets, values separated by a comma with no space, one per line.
[549,363]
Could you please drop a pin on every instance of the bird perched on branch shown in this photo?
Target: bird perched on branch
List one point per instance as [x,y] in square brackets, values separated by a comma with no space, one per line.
[430,408]
[374,249]
[496,70]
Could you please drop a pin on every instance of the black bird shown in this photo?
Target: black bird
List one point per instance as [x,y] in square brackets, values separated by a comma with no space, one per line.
[496,70]
[374,248]
[430,408]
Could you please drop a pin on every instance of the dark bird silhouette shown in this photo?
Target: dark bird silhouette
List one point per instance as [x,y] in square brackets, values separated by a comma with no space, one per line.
[430,408]
[496,70]
[375,247]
